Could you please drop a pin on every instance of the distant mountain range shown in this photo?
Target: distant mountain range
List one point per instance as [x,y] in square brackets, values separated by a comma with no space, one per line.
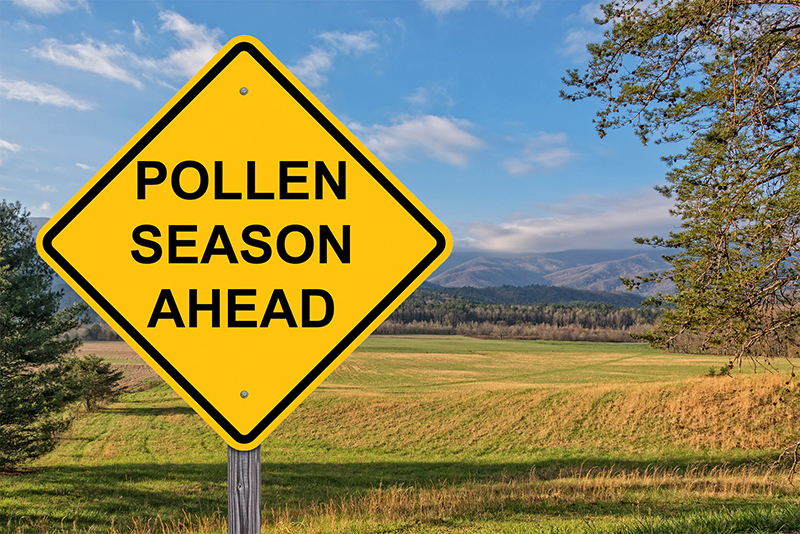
[598,270]
[531,295]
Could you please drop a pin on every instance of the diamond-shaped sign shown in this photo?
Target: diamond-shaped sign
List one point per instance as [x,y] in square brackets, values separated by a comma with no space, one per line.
[244,242]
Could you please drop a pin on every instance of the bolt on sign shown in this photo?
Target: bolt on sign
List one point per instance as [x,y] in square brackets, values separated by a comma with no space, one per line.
[244,242]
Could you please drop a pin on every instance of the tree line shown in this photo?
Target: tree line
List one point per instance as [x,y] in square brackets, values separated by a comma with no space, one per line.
[431,312]
[98,331]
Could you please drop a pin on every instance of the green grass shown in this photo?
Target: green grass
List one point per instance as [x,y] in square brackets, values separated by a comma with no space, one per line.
[443,434]
[460,361]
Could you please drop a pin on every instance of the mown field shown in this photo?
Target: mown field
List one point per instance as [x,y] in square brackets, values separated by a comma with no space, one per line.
[444,435]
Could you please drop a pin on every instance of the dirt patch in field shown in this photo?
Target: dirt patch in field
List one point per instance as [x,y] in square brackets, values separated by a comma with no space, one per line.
[110,350]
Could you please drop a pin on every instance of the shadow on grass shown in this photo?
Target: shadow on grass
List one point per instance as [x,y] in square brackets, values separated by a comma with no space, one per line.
[93,496]
[152,411]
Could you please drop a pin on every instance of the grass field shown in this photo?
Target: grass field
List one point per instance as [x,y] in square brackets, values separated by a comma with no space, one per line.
[444,435]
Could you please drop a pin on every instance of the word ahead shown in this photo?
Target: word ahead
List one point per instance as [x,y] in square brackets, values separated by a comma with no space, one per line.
[277,308]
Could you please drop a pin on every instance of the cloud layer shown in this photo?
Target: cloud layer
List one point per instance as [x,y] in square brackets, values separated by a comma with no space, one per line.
[583,221]
[90,55]
[441,138]
[518,8]
[41,94]
[200,43]
[311,68]
[585,32]
[116,62]
[50,7]
[6,147]
[545,152]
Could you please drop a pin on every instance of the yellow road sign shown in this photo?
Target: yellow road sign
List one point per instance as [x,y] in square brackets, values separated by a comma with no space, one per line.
[244,242]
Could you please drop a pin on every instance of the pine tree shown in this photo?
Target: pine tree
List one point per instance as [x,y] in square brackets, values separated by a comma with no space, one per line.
[721,77]
[95,380]
[33,387]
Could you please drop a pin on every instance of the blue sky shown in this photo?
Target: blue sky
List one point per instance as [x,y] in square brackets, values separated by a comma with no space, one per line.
[458,98]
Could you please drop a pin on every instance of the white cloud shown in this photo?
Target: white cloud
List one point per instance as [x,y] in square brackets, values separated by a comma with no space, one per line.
[427,96]
[578,37]
[521,8]
[400,24]
[441,138]
[545,152]
[517,166]
[518,8]
[114,61]
[311,68]
[7,146]
[420,97]
[45,188]
[84,166]
[41,94]
[586,221]
[589,12]
[576,40]
[51,7]
[44,206]
[351,43]
[92,56]
[441,7]
[551,157]
[25,26]
[200,43]
[138,32]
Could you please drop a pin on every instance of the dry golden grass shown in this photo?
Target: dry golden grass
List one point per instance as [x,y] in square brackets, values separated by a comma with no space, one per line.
[110,350]
[565,488]
[745,412]
[430,423]
[568,486]
[506,400]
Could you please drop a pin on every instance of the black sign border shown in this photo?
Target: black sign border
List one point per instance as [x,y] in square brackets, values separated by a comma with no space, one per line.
[341,138]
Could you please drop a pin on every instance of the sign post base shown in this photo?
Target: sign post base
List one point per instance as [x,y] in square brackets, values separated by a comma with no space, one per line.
[244,491]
